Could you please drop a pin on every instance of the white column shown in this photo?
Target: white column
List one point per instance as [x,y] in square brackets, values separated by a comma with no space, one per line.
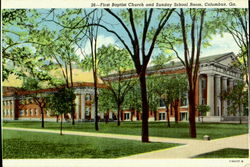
[93,111]
[224,102]
[83,106]
[231,83]
[200,90]
[218,95]
[210,93]
[13,108]
[77,107]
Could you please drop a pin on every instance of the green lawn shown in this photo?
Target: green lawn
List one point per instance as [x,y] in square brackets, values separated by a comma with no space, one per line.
[23,144]
[226,153]
[160,129]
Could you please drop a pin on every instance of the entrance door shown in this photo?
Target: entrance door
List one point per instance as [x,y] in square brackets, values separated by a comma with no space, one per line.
[126,116]
[183,116]
[162,116]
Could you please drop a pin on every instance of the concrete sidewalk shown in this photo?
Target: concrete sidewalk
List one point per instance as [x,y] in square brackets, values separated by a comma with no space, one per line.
[196,148]
[190,148]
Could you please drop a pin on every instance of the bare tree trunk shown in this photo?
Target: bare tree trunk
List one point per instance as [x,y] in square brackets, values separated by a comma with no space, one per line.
[118,114]
[240,113]
[192,127]
[72,103]
[155,114]
[42,113]
[167,110]
[144,108]
[176,116]
[61,124]
[96,108]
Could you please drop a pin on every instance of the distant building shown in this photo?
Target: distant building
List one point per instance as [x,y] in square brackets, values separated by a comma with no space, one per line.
[215,74]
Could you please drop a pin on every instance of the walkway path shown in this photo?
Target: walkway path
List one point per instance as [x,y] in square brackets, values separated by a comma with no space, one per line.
[190,148]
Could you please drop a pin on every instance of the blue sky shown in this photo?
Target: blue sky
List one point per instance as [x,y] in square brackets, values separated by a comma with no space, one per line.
[218,44]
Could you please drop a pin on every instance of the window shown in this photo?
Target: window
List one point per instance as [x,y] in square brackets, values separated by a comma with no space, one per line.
[203,83]
[184,100]
[162,104]
[162,116]
[21,113]
[126,116]
[203,101]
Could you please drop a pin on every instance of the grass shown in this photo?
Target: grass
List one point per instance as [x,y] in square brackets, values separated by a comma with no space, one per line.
[23,144]
[159,129]
[226,153]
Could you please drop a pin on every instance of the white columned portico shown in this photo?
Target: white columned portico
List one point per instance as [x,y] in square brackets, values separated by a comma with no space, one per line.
[217,95]
[224,102]
[210,93]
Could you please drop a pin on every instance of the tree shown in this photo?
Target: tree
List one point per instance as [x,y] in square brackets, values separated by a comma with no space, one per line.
[61,102]
[132,22]
[180,82]
[237,97]
[164,88]
[139,54]
[191,33]
[133,100]
[21,35]
[191,58]
[153,98]
[106,102]
[116,61]
[203,109]
[39,98]
[236,23]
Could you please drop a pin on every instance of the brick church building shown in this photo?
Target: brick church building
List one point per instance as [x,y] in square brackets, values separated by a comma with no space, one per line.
[215,75]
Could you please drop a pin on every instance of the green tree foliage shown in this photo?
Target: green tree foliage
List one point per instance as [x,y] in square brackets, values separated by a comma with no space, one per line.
[40,98]
[106,102]
[238,99]
[114,60]
[19,36]
[203,109]
[169,88]
[191,33]
[235,21]
[132,100]
[137,23]
[61,102]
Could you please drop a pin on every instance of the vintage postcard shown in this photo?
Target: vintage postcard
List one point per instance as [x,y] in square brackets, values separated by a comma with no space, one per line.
[125,83]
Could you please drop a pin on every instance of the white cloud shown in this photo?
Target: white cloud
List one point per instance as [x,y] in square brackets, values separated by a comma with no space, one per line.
[101,40]
[221,45]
